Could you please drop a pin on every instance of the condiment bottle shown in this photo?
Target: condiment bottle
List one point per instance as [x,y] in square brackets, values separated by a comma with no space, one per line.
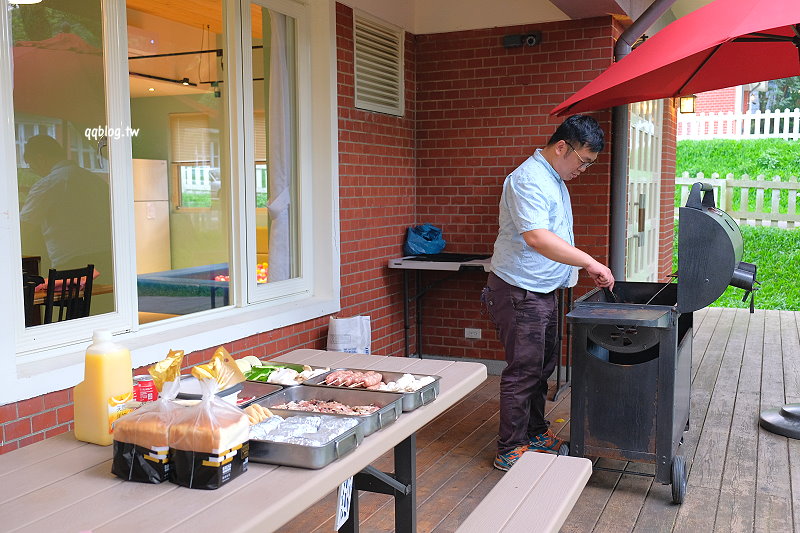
[106,390]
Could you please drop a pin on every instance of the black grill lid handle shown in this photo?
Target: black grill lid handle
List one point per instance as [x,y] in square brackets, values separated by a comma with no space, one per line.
[694,200]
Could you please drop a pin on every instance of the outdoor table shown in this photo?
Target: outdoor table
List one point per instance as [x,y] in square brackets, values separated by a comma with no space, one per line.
[61,484]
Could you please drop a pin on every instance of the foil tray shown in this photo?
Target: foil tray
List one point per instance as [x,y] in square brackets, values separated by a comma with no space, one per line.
[304,456]
[411,400]
[390,403]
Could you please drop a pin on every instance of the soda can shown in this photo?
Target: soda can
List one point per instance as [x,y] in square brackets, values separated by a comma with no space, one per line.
[144,389]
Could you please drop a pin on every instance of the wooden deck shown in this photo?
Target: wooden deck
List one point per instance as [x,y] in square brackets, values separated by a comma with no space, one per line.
[741,478]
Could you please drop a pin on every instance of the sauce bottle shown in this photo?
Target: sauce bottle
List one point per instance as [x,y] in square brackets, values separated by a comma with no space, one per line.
[106,390]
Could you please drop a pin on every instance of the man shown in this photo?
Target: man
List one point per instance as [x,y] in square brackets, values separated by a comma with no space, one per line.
[69,207]
[534,255]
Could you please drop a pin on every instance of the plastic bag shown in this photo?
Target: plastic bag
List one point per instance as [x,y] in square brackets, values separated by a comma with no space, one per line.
[351,335]
[424,239]
[209,441]
[141,439]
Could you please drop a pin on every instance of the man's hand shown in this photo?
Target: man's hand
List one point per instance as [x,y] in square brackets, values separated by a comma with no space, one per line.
[600,274]
[555,248]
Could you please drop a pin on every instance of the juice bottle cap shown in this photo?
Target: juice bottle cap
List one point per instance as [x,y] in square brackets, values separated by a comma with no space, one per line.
[101,335]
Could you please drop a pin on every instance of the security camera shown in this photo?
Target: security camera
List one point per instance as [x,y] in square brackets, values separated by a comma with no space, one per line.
[528,39]
[532,39]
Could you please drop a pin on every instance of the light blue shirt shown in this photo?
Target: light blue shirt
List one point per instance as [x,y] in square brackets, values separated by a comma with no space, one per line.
[534,197]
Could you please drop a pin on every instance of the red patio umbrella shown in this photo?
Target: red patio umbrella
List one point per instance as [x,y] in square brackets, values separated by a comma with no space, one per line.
[724,44]
[60,77]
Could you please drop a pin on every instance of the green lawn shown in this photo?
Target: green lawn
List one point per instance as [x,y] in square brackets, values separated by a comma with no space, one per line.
[776,253]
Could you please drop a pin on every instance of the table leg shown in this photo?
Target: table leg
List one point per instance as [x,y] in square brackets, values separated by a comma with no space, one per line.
[420,293]
[402,485]
[405,469]
[406,321]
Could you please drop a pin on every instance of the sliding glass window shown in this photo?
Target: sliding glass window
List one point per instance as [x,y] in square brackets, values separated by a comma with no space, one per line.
[181,170]
[273,145]
[61,136]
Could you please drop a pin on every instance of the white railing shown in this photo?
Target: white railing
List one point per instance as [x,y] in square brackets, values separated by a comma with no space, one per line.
[757,202]
[729,125]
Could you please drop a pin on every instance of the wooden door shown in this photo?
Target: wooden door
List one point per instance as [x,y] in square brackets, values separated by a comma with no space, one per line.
[644,174]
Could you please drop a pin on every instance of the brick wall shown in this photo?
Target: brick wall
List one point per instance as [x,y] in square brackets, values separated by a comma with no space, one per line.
[668,147]
[482,110]
[721,100]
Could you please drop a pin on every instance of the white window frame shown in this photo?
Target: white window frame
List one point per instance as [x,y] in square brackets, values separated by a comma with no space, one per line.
[46,359]
[303,284]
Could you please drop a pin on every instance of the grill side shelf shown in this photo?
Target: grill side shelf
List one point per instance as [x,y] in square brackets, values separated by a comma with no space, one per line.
[654,316]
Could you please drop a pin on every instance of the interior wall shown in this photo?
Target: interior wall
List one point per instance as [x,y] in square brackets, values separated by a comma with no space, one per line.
[195,236]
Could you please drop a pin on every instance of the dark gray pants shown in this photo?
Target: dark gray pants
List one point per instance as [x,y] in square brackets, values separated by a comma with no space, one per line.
[527,325]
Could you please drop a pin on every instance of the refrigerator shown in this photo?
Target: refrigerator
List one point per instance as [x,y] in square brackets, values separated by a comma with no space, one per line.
[151,214]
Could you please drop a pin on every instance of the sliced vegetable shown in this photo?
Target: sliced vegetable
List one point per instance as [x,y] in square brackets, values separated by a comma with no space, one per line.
[261,373]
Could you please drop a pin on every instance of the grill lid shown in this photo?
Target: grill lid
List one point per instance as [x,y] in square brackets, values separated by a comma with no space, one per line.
[710,249]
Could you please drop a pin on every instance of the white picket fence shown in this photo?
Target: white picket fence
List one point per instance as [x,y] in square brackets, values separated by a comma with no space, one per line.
[729,125]
[767,192]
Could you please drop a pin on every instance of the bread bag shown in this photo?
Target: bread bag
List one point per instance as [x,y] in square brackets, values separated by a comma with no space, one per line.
[208,441]
[141,438]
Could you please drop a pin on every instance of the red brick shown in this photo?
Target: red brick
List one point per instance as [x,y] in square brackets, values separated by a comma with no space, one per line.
[8,447]
[44,421]
[8,413]
[58,430]
[57,399]
[65,414]
[31,406]
[17,429]
[31,439]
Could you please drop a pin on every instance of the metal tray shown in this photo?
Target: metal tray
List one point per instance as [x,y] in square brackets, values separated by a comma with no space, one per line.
[257,389]
[411,400]
[299,455]
[390,403]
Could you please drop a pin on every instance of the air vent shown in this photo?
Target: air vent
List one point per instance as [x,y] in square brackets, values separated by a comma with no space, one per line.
[378,65]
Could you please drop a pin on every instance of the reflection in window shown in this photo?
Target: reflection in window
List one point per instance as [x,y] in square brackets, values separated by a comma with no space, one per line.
[59,112]
[181,177]
[195,160]
[275,144]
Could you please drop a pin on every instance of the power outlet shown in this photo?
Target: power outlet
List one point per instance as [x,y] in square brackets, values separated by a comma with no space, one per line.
[472,333]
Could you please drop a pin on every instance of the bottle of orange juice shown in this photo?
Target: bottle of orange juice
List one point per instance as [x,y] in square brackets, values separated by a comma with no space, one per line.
[106,389]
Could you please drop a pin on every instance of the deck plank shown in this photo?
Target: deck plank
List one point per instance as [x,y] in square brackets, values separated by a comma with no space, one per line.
[737,500]
[773,490]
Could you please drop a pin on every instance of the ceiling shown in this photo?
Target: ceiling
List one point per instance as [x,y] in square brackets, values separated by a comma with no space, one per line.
[417,16]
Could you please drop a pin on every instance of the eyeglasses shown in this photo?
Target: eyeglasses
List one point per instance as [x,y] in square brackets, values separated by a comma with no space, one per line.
[584,164]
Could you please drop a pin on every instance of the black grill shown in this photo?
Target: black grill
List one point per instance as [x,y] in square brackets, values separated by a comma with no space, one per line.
[632,349]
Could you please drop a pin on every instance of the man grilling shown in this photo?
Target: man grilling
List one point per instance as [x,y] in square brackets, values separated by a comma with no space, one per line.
[534,255]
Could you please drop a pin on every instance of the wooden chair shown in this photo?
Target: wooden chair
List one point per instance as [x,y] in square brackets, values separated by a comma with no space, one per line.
[72,297]
[32,312]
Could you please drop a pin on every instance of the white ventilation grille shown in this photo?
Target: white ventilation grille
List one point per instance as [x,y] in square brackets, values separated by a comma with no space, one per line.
[378,66]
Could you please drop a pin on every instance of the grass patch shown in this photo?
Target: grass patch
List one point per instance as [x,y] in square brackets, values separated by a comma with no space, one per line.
[776,252]
[770,157]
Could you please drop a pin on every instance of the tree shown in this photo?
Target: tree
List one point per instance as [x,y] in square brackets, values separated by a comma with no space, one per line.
[782,94]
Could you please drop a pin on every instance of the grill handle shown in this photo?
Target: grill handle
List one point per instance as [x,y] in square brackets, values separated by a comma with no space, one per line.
[744,277]
[694,200]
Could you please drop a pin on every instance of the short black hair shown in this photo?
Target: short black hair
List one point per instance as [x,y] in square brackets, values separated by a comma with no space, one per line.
[44,146]
[580,130]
